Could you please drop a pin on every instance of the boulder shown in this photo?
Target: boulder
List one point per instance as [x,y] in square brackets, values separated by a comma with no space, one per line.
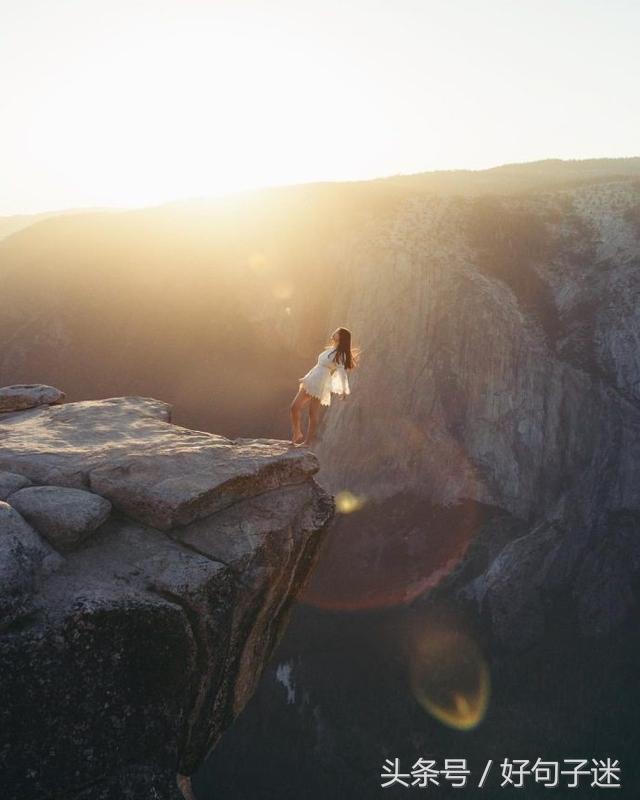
[28,395]
[63,516]
[23,557]
[10,482]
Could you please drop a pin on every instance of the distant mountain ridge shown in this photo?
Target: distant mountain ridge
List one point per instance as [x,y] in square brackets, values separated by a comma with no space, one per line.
[502,178]
[12,223]
[529,176]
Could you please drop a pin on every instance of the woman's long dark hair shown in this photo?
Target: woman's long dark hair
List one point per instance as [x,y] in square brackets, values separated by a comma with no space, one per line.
[343,352]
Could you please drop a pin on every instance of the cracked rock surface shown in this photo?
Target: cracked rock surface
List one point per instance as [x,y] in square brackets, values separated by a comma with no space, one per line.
[125,653]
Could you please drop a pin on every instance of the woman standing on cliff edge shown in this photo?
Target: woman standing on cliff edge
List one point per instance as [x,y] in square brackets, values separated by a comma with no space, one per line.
[329,376]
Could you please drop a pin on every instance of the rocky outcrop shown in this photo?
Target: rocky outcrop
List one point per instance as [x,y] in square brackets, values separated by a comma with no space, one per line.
[161,474]
[18,397]
[141,637]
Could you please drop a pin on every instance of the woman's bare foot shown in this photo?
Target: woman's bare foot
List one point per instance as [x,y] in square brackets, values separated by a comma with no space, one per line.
[298,438]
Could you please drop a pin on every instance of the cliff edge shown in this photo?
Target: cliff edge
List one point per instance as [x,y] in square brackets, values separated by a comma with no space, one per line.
[147,575]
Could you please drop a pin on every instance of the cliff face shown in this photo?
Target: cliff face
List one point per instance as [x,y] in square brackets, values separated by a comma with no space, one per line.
[148,572]
[501,365]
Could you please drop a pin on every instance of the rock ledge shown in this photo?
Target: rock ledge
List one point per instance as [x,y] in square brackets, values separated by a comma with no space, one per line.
[140,626]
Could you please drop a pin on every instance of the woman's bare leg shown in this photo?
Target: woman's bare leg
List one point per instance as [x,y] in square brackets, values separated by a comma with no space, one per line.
[295,410]
[314,416]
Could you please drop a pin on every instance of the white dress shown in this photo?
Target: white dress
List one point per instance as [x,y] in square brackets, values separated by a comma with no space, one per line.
[326,378]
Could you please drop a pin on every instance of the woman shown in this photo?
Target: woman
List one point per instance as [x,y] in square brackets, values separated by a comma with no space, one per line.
[329,376]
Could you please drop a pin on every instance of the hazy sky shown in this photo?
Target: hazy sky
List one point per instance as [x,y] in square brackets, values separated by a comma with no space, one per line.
[129,102]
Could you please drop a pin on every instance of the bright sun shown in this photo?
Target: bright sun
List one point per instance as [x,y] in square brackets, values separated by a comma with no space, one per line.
[196,111]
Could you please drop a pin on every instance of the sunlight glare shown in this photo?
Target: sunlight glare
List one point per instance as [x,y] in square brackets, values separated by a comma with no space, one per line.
[191,111]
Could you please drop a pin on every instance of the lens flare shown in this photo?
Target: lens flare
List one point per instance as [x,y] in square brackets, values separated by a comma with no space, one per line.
[401,543]
[389,552]
[347,502]
[257,261]
[450,678]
